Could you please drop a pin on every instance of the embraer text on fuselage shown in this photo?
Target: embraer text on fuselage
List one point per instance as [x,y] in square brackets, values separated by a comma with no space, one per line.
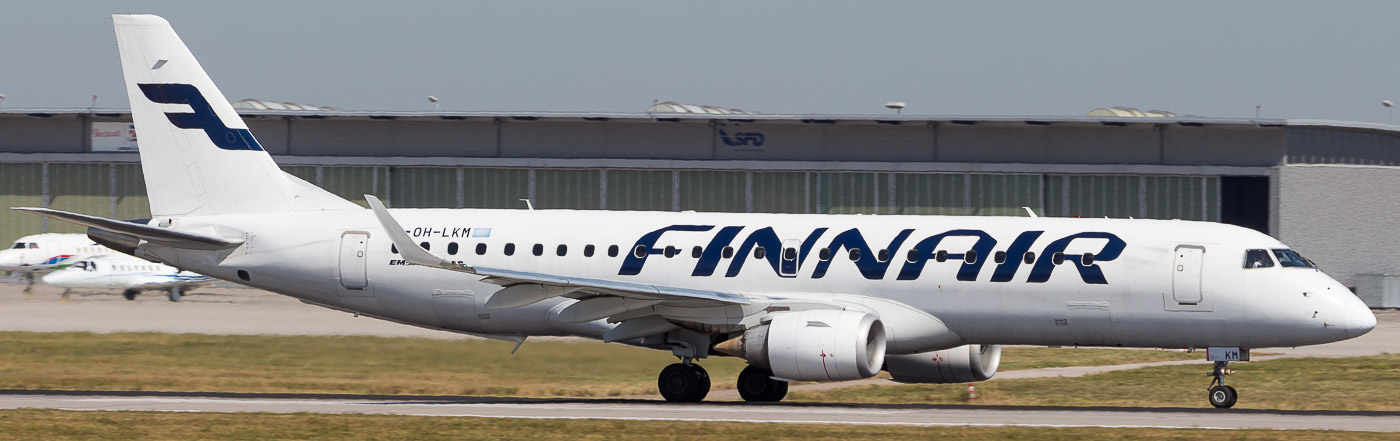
[874,262]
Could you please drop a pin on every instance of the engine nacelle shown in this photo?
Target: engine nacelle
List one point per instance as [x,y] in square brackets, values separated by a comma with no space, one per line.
[814,345]
[963,364]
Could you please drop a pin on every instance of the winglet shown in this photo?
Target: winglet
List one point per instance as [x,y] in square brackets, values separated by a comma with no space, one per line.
[411,252]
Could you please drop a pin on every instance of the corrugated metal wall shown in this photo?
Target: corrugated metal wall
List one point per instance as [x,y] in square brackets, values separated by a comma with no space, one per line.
[117,190]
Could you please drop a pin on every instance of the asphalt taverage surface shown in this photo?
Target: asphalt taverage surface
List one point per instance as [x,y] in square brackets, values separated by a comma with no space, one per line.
[647,410]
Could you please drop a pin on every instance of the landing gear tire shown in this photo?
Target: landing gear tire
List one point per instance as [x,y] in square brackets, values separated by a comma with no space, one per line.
[756,384]
[684,383]
[1223,397]
[130,294]
[173,295]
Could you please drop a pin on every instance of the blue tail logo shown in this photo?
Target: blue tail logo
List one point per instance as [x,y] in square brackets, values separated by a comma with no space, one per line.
[203,117]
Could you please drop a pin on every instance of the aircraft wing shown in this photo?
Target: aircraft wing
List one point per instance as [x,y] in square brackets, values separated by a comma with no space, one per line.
[177,239]
[524,287]
[172,280]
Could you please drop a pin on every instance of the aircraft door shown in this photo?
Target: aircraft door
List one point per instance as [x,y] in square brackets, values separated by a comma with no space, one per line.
[788,258]
[354,246]
[1186,274]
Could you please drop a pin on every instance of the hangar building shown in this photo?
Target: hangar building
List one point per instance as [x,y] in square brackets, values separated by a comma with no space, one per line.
[1326,188]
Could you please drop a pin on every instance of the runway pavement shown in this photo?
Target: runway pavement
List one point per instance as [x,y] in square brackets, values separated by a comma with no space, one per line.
[639,410]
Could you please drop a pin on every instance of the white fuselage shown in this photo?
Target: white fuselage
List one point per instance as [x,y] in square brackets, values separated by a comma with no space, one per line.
[45,252]
[122,272]
[1155,292]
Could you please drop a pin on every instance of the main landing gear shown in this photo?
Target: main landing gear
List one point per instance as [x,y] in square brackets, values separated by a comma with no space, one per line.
[756,384]
[1221,396]
[130,294]
[684,382]
[687,382]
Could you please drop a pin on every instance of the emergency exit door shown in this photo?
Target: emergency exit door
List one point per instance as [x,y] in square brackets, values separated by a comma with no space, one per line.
[353,250]
[1186,274]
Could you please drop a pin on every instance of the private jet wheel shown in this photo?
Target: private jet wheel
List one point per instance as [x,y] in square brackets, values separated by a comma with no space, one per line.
[757,384]
[681,383]
[1223,397]
[173,295]
[130,294]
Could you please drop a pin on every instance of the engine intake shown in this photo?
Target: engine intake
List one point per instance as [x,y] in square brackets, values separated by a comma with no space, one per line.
[814,345]
[962,364]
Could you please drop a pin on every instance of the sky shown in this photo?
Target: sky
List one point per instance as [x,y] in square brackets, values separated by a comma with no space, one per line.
[1316,60]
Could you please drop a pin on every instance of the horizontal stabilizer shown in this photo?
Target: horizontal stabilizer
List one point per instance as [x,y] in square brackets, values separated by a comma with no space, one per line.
[161,236]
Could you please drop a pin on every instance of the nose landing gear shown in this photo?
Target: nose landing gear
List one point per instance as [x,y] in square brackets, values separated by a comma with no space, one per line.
[1221,396]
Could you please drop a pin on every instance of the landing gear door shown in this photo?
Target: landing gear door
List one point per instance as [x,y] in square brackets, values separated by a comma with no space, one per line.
[1186,274]
[354,248]
[788,258]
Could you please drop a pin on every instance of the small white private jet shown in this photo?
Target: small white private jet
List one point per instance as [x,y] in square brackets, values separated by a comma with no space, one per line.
[129,274]
[36,254]
[800,297]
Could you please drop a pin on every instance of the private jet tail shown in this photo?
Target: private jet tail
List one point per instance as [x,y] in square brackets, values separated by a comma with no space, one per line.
[197,155]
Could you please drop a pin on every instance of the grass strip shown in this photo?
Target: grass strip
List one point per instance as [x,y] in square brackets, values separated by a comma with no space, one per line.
[30,424]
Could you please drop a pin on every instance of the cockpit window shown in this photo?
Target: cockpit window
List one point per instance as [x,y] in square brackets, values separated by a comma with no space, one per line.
[19,246]
[1289,258]
[33,246]
[1257,259]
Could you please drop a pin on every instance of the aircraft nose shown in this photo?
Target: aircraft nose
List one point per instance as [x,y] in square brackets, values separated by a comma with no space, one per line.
[1360,320]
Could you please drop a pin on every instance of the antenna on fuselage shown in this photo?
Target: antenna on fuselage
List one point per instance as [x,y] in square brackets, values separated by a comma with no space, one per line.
[528,204]
[1029,211]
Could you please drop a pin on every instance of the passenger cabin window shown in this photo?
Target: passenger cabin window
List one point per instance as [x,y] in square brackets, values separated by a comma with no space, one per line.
[824,254]
[1087,259]
[640,251]
[970,256]
[562,250]
[882,255]
[537,250]
[999,257]
[480,249]
[510,249]
[1291,259]
[790,254]
[941,256]
[452,249]
[913,256]
[671,251]
[588,251]
[1257,259]
[728,252]
[696,252]
[612,250]
[1029,257]
[1058,258]
[854,254]
[759,252]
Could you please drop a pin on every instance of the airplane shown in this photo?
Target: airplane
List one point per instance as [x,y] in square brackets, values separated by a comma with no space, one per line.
[129,274]
[799,297]
[40,253]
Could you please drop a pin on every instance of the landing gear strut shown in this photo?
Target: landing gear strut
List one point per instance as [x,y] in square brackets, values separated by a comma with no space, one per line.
[1221,396]
[757,384]
[684,382]
[29,283]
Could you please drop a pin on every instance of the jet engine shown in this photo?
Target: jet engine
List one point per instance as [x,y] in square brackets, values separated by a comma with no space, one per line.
[814,345]
[962,364]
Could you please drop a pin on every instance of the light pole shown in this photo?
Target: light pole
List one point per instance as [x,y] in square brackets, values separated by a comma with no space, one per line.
[436,106]
[898,106]
[1388,104]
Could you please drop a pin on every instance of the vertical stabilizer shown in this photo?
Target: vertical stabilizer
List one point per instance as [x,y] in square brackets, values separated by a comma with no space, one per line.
[197,155]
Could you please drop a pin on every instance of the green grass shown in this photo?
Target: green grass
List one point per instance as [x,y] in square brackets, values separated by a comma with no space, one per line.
[1357,383]
[67,425]
[376,365]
